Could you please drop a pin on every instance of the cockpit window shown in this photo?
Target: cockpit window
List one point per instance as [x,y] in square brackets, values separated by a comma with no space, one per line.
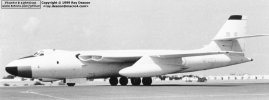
[27,57]
[44,52]
[40,53]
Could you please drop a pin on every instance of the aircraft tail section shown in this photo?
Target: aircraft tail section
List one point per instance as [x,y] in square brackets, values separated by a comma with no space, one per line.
[234,26]
[227,39]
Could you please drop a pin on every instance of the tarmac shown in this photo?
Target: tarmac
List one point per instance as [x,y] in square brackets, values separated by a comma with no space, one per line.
[158,91]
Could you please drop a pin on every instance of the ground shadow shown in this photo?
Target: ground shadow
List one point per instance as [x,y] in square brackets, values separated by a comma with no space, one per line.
[196,85]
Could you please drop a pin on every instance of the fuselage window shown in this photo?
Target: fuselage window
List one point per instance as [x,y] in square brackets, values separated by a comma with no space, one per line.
[57,62]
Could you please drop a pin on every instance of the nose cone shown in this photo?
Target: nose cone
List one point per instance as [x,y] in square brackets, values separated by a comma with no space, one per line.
[13,70]
[18,68]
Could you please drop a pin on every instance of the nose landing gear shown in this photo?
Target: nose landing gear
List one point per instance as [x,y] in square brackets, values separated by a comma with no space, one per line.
[70,84]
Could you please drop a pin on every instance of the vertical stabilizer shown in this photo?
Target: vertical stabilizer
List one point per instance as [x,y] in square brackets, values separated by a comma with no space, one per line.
[235,26]
[226,39]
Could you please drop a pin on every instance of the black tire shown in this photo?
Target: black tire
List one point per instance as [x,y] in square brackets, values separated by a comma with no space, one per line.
[70,84]
[113,81]
[136,81]
[123,81]
[147,81]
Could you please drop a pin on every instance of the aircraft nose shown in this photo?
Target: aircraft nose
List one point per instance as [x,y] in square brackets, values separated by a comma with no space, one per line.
[19,68]
[13,70]
[22,71]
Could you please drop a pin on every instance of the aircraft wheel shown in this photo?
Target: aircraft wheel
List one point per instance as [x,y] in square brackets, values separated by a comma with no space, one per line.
[136,81]
[123,81]
[70,84]
[147,81]
[113,81]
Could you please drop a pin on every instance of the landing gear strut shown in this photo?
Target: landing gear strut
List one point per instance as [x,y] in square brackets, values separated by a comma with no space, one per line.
[113,81]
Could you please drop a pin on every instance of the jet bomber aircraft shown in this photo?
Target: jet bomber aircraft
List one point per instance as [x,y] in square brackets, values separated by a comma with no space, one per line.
[136,66]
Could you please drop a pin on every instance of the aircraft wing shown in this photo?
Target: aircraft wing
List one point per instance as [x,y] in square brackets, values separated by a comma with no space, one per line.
[121,59]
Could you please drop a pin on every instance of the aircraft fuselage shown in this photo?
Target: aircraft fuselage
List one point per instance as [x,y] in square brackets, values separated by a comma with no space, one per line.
[64,64]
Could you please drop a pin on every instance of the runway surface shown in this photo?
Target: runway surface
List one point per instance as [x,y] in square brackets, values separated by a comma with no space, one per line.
[208,91]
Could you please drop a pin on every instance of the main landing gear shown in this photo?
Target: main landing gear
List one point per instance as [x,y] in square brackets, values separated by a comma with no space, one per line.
[123,81]
[147,81]
[136,81]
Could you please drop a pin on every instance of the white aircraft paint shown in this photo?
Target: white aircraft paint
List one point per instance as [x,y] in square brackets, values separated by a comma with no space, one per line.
[225,49]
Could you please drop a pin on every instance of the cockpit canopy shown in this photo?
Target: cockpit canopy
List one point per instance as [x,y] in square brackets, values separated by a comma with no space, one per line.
[40,53]
[43,52]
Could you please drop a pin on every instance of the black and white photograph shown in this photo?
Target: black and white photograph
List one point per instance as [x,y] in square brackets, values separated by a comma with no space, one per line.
[134,50]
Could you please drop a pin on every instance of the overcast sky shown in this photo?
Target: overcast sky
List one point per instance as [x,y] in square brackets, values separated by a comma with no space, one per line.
[134,24]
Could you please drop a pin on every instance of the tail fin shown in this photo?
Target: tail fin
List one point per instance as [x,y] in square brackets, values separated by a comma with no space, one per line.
[235,26]
[227,37]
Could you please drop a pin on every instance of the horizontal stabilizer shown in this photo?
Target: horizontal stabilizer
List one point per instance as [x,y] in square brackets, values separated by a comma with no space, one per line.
[196,54]
[239,37]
